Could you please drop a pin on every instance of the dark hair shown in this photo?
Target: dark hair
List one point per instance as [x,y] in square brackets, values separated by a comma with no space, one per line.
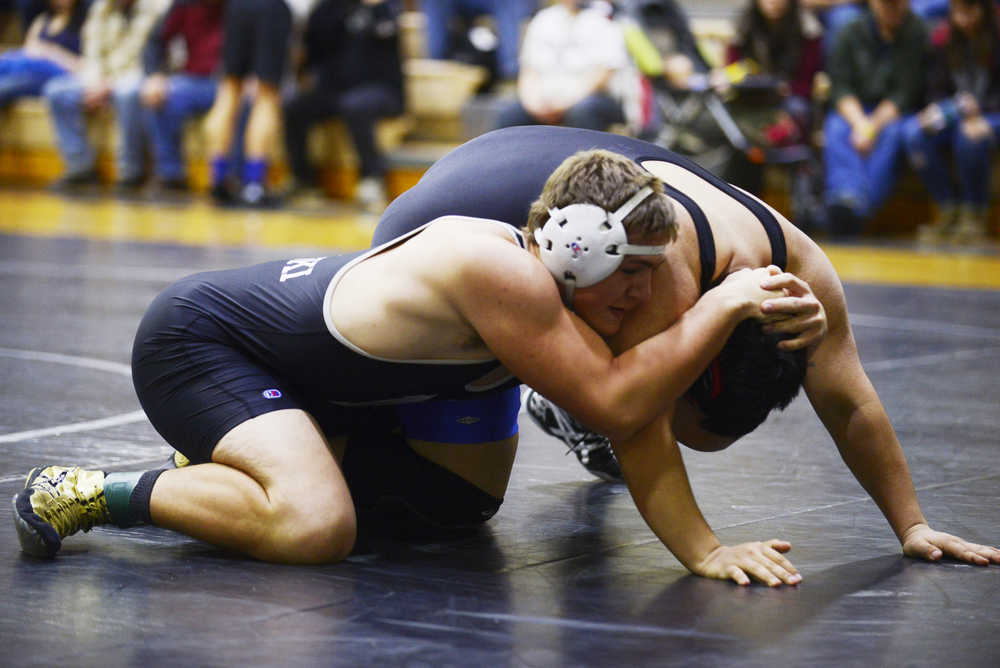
[777,50]
[750,378]
[983,46]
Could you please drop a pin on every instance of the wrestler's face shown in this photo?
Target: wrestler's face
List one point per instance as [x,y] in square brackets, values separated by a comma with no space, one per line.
[604,305]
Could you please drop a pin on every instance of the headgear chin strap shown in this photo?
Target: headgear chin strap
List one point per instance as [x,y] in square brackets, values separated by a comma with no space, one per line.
[582,244]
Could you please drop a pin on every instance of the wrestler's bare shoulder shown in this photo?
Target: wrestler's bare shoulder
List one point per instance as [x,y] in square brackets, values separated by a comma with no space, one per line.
[472,253]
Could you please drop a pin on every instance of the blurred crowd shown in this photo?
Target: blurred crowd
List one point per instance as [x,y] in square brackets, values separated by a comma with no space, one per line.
[841,94]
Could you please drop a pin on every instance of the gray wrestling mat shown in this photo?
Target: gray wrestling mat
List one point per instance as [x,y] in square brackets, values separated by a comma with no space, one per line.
[566,574]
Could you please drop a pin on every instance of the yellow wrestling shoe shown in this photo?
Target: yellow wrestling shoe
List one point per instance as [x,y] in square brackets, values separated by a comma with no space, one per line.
[58,501]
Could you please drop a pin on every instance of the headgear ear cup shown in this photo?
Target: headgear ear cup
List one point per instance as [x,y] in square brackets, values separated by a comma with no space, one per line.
[582,244]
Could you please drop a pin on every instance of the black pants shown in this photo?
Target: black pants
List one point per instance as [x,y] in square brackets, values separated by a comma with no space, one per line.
[359,107]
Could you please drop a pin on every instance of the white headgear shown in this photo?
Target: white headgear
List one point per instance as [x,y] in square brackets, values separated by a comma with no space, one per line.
[582,244]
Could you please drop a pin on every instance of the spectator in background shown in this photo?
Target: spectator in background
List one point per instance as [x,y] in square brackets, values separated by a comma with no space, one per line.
[114,34]
[964,117]
[777,49]
[781,45]
[352,70]
[877,77]
[256,35]
[170,99]
[51,49]
[441,15]
[575,70]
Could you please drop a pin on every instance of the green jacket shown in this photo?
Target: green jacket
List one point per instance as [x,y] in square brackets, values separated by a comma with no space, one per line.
[872,70]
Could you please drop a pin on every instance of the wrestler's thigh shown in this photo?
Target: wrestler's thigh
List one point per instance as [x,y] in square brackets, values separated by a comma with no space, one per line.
[289,456]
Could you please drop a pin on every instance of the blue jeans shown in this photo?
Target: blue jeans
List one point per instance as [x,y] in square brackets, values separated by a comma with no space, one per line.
[595,112]
[187,96]
[930,10]
[65,98]
[926,153]
[861,182]
[22,75]
[508,15]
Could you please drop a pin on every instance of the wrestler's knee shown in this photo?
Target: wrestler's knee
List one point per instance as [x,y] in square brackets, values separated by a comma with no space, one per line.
[316,535]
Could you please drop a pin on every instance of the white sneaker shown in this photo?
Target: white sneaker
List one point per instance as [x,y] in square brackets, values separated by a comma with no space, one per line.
[371,194]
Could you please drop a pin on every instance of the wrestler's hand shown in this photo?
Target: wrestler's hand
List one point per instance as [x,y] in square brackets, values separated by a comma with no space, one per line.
[799,312]
[922,542]
[762,561]
[745,286]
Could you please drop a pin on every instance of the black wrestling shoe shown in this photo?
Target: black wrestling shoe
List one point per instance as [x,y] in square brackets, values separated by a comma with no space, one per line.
[593,450]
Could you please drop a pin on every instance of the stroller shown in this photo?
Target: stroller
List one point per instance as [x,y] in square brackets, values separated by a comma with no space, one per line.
[695,121]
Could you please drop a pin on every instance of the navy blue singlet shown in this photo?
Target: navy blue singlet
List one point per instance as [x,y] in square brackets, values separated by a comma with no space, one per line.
[218,348]
[499,174]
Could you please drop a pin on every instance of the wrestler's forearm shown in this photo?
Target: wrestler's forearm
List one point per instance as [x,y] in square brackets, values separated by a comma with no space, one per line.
[869,447]
[656,372]
[846,402]
[657,480]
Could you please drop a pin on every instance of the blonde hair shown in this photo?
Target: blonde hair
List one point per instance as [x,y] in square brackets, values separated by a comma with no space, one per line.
[608,180]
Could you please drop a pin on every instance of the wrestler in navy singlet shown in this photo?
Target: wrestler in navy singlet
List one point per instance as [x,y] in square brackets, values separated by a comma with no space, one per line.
[218,348]
[499,174]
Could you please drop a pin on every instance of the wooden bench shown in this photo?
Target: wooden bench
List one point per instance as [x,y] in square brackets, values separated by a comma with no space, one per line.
[29,152]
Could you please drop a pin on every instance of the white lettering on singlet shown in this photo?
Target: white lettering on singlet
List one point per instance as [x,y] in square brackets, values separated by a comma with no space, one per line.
[302,266]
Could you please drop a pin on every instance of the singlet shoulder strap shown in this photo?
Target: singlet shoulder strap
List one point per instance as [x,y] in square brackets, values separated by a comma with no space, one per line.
[779,251]
[706,240]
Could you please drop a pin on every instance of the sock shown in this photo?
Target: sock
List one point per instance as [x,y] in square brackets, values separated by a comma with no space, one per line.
[128,496]
[254,171]
[220,170]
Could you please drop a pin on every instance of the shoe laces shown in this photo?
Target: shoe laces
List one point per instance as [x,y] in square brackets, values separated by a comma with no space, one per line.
[579,442]
[69,511]
[69,515]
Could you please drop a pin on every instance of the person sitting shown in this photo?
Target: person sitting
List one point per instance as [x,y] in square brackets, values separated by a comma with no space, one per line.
[114,34]
[963,117]
[877,74]
[780,46]
[574,70]
[170,99]
[353,72]
[51,48]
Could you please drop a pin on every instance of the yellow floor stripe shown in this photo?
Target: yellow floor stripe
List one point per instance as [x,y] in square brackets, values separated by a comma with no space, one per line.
[196,223]
[945,268]
[37,213]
